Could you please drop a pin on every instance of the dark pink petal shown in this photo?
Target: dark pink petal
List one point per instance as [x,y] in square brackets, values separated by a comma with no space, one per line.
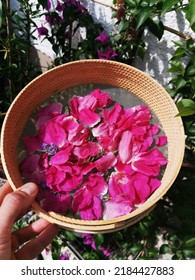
[154,184]
[73,179]
[149,162]
[106,162]
[82,199]
[88,149]
[103,98]
[142,188]
[117,207]
[126,119]
[121,184]
[78,136]
[88,102]
[47,113]
[101,130]
[112,116]
[30,169]
[97,185]
[125,147]
[94,211]
[61,156]
[57,202]
[53,133]
[43,162]
[161,141]
[88,117]
[54,178]
[74,106]
[87,167]
[32,143]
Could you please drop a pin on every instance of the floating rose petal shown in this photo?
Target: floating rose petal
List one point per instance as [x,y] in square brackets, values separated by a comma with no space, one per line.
[106,162]
[161,141]
[47,113]
[89,149]
[117,207]
[93,211]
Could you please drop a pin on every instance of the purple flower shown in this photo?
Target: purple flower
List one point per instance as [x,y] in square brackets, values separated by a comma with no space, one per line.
[64,257]
[42,31]
[106,55]
[60,6]
[103,38]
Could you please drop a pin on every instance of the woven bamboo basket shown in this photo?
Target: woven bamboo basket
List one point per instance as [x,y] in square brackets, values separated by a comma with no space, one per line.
[94,72]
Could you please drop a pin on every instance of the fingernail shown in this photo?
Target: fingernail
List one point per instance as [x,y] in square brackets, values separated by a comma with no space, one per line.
[29,188]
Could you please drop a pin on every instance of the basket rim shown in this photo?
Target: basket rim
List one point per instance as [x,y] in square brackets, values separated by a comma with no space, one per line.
[145,205]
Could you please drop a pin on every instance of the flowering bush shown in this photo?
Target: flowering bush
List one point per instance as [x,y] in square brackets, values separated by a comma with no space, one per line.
[64,21]
[95,159]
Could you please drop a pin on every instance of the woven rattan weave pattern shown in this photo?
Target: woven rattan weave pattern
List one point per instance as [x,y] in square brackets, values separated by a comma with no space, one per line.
[95,72]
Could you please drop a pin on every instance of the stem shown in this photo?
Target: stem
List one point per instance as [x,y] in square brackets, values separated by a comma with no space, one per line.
[178,33]
[9,34]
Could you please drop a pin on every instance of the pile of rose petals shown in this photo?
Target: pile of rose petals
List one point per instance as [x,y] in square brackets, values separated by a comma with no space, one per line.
[97,161]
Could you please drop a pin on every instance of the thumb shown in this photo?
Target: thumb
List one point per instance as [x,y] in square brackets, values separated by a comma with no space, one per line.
[14,204]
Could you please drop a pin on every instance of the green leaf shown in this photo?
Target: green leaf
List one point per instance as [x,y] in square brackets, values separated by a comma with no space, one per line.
[164,249]
[167,5]
[99,239]
[131,3]
[70,235]
[136,248]
[189,241]
[156,28]
[90,256]
[186,107]
[191,70]
[143,16]
[190,14]
[123,25]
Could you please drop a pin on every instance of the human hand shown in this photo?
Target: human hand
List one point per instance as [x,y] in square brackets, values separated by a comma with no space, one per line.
[26,243]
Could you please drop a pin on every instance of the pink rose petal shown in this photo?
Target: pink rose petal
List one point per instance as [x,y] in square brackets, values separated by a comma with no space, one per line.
[116,207]
[161,141]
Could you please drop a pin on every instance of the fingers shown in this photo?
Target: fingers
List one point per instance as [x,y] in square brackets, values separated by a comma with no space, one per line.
[13,205]
[25,234]
[4,190]
[33,248]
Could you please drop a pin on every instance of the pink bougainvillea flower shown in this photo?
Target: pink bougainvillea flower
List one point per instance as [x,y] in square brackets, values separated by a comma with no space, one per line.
[47,113]
[89,149]
[89,240]
[161,141]
[64,257]
[57,202]
[42,31]
[103,38]
[30,169]
[106,162]
[116,207]
[107,55]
